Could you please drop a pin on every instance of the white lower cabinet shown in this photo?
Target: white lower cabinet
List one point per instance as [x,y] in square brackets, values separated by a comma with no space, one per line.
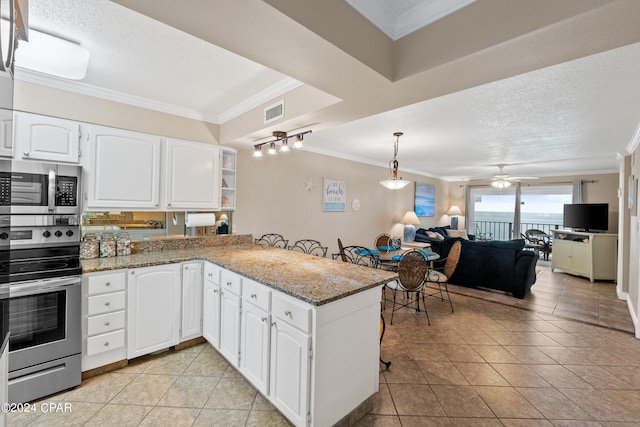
[290,359]
[103,318]
[211,304]
[191,325]
[230,305]
[153,309]
[255,334]
[314,363]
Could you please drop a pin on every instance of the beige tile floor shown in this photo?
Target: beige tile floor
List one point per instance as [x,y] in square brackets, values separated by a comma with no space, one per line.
[507,362]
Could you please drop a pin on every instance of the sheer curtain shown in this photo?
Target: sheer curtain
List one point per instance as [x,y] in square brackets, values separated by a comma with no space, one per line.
[517,217]
[577,191]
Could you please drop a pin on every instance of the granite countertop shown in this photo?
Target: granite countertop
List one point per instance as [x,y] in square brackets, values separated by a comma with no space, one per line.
[312,279]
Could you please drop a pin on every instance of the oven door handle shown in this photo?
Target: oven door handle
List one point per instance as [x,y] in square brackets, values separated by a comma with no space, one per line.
[42,286]
[52,191]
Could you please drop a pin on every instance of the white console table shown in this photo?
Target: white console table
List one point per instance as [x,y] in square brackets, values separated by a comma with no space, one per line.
[591,255]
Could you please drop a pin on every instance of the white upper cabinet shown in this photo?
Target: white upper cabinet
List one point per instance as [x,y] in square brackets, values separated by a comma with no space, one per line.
[46,138]
[6,132]
[193,175]
[123,170]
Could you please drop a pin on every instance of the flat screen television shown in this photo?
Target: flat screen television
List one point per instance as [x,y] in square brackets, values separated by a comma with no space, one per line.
[586,216]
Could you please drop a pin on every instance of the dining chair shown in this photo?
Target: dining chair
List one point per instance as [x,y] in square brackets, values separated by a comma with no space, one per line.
[308,246]
[356,255]
[412,272]
[384,244]
[272,239]
[441,278]
[383,327]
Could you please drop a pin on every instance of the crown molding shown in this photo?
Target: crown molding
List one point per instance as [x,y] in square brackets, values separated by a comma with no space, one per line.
[265,95]
[380,14]
[635,141]
[259,98]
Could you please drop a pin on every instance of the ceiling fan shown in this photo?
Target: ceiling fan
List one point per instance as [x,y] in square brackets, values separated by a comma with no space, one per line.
[504,180]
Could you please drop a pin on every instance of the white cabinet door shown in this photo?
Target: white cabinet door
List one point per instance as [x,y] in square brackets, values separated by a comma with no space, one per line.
[230,326]
[254,347]
[193,175]
[46,138]
[6,133]
[581,259]
[562,255]
[191,326]
[211,313]
[153,309]
[289,374]
[124,170]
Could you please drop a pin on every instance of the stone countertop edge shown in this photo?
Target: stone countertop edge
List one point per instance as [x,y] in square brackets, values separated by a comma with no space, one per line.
[311,279]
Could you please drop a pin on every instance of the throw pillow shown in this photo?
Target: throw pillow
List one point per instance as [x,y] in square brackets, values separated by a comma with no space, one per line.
[458,233]
[434,235]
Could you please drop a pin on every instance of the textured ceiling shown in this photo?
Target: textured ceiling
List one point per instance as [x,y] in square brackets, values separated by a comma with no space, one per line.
[461,113]
[569,118]
[137,56]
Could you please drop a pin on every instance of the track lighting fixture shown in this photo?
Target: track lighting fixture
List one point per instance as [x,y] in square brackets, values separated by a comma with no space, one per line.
[283,139]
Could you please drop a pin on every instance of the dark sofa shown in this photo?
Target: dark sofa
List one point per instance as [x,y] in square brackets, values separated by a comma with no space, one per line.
[498,264]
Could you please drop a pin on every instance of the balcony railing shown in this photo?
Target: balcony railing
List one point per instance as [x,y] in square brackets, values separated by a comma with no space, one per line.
[498,230]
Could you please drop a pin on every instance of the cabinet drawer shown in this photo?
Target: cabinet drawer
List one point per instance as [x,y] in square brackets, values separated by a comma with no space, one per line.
[105,342]
[103,283]
[105,323]
[212,272]
[231,281]
[99,304]
[291,312]
[256,293]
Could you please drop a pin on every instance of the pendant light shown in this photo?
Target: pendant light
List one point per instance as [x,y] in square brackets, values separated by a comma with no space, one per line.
[395,183]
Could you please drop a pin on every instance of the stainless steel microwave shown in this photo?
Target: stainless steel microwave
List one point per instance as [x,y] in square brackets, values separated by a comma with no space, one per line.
[41,188]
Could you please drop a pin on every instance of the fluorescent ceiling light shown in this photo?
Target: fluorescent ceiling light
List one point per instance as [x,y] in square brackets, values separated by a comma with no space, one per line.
[51,55]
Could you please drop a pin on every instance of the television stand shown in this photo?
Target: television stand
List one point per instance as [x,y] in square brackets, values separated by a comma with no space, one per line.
[590,255]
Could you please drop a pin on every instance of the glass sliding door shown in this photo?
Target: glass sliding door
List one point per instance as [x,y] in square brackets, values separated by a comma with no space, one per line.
[491,212]
[494,214]
[541,206]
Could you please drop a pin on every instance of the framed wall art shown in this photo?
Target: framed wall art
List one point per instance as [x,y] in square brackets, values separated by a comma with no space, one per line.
[425,199]
[334,195]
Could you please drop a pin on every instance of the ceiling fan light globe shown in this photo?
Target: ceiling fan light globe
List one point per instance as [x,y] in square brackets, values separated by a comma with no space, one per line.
[501,183]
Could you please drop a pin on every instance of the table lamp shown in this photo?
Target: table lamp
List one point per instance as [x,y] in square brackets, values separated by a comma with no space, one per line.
[454,212]
[409,220]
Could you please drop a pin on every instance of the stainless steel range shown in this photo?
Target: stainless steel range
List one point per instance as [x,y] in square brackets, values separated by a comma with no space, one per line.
[44,280]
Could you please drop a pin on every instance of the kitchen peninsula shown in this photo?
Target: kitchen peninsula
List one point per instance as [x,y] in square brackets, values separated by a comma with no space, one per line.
[304,330]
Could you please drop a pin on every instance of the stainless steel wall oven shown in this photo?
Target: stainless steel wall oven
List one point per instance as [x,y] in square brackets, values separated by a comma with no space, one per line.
[44,277]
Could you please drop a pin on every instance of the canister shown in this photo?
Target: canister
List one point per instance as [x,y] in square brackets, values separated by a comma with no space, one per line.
[123,243]
[107,245]
[89,246]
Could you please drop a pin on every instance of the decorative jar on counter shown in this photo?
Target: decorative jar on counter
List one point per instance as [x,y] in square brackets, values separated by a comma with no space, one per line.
[89,246]
[107,245]
[123,243]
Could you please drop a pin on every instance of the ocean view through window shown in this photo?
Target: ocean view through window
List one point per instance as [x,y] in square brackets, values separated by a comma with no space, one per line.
[493,212]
